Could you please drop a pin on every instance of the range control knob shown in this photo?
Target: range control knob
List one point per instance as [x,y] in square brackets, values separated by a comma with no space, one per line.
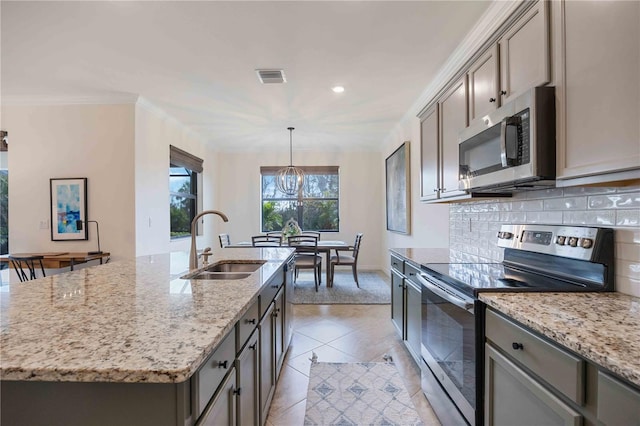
[507,235]
[586,243]
[560,240]
[573,241]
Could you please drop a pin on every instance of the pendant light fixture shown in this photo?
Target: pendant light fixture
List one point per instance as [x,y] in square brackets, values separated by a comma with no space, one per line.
[290,179]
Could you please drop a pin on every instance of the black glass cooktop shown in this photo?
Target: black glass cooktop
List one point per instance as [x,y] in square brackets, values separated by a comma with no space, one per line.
[471,278]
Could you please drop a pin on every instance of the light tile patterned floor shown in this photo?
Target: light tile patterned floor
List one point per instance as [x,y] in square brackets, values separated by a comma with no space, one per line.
[341,333]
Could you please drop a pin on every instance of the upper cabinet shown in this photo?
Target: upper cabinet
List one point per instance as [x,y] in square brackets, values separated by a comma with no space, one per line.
[518,61]
[484,84]
[439,128]
[597,48]
[524,53]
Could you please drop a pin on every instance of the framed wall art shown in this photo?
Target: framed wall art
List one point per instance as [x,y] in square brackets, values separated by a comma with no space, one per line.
[68,209]
[398,193]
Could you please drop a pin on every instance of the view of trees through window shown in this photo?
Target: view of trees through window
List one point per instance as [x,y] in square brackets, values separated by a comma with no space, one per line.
[183,200]
[315,207]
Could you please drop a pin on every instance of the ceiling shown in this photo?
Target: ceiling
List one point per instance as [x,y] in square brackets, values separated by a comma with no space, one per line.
[196,61]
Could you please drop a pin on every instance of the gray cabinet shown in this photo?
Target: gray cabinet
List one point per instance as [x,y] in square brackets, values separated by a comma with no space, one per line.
[429,155]
[513,397]
[406,304]
[267,363]
[597,51]
[397,302]
[483,84]
[222,409]
[248,379]
[532,380]
[618,403]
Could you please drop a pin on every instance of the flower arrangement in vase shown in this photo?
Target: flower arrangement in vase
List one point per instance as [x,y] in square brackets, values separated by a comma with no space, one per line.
[291,228]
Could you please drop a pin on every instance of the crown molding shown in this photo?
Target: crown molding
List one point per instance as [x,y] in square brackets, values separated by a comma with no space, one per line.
[491,20]
[27,100]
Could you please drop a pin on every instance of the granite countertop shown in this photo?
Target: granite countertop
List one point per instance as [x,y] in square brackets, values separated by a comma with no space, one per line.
[126,321]
[601,327]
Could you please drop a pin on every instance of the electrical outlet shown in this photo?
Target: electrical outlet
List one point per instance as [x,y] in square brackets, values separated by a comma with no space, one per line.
[44,224]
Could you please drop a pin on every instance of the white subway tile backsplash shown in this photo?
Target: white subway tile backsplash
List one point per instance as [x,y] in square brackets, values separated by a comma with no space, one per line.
[628,217]
[590,217]
[629,200]
[569,203]
[547,218]
[625,251]
[475,225]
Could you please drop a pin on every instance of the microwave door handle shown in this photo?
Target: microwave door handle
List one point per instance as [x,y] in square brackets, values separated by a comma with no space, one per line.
[451,298]
[503,143]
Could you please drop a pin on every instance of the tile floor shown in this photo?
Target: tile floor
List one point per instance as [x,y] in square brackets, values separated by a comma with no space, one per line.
[340,333]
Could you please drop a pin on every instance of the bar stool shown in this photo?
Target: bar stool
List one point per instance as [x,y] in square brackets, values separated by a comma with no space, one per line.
[19,263]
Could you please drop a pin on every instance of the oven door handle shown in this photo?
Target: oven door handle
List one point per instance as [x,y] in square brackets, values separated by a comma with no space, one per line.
[449,297]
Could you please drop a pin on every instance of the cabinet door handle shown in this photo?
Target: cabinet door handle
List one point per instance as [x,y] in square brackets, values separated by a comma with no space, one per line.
[237,391]
[253,347]
[517,346]
[492,99]
[223,364]
[275,286]
[435,189]
[251,321]
[503,92]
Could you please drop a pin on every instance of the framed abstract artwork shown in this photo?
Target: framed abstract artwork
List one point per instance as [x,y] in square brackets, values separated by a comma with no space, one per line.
[68,209]
[398,193]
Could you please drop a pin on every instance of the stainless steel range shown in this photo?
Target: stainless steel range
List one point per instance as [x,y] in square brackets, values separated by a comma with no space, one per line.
[536,258]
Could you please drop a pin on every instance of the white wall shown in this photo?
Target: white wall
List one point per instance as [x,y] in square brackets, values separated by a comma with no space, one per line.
[429,222]
[92,141]
[154,132]
[361,194]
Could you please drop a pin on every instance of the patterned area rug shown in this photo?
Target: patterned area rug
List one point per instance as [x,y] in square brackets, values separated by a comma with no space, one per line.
[374,289]
[363,393]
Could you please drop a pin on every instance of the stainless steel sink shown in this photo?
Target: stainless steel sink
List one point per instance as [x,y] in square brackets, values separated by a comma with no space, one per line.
[205,275]
[227,270]
[235,266]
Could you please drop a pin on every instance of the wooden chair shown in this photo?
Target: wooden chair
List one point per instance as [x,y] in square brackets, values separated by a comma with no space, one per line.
[224,240]
[346,259]
[266,241]
[30,263]
[307,255]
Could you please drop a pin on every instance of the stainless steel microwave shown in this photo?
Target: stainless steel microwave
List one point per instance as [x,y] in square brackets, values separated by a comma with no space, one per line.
[512,148]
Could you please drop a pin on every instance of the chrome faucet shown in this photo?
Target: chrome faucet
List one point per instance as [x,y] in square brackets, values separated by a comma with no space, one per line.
[193,259]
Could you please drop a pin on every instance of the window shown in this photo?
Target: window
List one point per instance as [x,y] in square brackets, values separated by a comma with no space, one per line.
[315,207]
[183,190]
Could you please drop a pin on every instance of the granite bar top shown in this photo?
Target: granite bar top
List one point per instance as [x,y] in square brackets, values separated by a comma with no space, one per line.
[126,321]
[602,327]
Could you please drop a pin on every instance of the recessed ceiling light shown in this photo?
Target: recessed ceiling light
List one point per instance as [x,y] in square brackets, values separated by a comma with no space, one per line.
[338,89]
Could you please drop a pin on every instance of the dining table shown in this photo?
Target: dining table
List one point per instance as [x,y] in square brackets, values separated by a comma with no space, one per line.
[58,259]
[324,246]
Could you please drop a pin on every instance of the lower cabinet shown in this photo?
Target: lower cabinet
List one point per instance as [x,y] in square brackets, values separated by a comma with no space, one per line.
[512,397]
[531,380]
[279,331]
[406,304]
[267,371]
[248,382]
[397,301]
[222,409]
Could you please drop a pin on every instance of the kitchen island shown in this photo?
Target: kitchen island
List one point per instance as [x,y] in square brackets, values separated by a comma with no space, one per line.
[116,339]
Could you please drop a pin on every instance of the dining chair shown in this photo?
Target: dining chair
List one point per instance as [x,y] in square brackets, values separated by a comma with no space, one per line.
[311,233]
[275,234]
[266,241]
[307,255]
[224,240]
[30,263]
[346,260]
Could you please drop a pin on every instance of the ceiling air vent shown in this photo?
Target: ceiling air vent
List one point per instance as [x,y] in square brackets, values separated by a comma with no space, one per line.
[271,76]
